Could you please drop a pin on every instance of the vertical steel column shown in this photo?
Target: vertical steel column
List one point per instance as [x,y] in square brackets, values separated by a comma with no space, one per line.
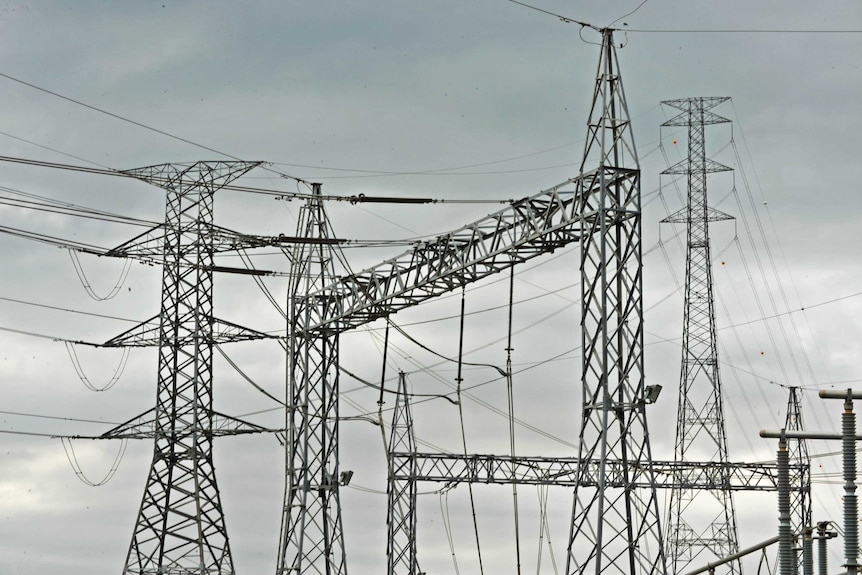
[615,527]
[700,521]
[401,513]
[311,539]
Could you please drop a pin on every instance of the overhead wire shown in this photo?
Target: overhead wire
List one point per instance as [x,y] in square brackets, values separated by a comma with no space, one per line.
[69,450]
[85,282]
[458,381]
[511,405]
[79,370]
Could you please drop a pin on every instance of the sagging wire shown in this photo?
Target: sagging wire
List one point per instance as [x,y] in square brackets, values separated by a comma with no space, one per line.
[79,270]
[76,363]
[447,526]
[459,361]
[76,467]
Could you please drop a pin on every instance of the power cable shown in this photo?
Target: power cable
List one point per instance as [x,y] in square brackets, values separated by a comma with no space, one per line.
[130,121]
[511,402]
[458,381]
[76,467]
[54,417]
[82,276]
[447,527]
[68,310]
[118,372]
[246,377]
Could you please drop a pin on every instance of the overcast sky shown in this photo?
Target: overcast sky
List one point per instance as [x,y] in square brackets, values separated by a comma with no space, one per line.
[451,100]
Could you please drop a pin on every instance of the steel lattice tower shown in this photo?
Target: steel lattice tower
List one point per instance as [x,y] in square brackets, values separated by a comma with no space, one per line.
[615,526]
[311,540]
[700,521]
[800,498]
[180,529]
[401,511]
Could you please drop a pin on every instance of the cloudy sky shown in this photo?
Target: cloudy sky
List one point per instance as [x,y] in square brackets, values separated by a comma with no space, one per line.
[451,100]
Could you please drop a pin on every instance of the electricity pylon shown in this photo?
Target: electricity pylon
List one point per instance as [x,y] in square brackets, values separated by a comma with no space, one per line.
[401,493]
[311,539]
[180,529]
[615,528]
[700,521]
[797,448]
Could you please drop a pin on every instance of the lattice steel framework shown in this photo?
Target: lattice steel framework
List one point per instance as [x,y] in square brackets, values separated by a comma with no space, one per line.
[700,521]
[800,470]
[401,488]
[180,529]
[615,527]
[312,539]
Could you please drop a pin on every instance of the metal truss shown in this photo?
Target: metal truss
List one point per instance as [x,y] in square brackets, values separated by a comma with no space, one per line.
[701,521]
[180,529]
[528,228]
[566,472]
[311,539]
[615,527]
[401,488]
[797,452]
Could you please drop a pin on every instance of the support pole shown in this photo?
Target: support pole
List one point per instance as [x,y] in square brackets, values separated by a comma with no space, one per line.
[851,508]
[807,551]
[786,557]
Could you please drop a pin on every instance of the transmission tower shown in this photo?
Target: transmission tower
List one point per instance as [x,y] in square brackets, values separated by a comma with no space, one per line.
[180,529]
[797,452]
[312,540]
[401,492]
[615,527]
[700,521]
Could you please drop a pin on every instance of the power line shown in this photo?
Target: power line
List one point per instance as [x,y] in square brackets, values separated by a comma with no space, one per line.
[116,116]
[740,30]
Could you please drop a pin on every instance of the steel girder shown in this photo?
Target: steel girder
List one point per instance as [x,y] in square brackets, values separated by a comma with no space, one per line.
[564,472]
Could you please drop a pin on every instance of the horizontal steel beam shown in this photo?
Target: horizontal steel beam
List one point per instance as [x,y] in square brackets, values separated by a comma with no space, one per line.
[505,470]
